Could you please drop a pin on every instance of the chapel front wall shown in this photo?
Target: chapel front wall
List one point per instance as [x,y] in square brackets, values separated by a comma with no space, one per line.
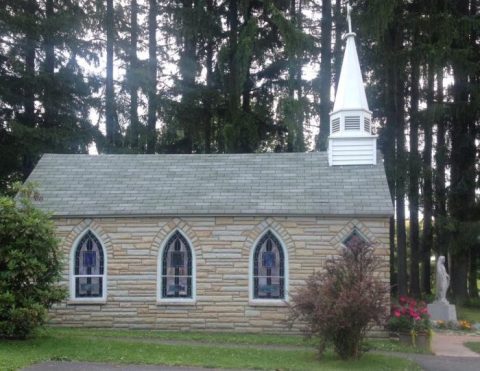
[222,248]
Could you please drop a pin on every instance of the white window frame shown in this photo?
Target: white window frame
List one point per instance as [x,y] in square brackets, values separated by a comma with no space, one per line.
[72,276]
[176,301]
[268,302]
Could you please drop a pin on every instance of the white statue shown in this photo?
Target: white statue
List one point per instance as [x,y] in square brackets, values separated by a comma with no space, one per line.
[442,281]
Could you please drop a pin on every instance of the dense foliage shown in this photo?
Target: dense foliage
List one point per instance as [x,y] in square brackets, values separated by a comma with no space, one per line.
[338,305]
[211,76]
[29,266]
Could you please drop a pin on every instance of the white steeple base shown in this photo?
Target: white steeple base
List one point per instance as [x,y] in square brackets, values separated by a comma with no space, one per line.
[352,150]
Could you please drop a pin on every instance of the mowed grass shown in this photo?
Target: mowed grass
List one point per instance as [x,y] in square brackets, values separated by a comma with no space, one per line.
[137,347]
[470,314]
[473,345]
[204,337]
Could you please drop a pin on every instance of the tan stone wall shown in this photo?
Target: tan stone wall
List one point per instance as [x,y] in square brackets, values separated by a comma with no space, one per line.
[222,247]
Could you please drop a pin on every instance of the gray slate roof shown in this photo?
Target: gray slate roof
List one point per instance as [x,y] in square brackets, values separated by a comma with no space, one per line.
[230,184]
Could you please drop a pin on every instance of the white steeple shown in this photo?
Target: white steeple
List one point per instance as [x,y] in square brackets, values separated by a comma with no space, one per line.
[351,141]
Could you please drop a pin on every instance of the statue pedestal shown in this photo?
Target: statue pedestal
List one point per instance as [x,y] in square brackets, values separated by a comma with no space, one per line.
[440,311]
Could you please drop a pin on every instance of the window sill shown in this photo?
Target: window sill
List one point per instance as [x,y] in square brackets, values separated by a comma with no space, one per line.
[87,302]
[267,303]
[184,302]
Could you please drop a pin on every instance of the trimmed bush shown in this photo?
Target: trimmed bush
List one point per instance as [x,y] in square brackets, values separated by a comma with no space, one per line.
[340,304]
[29,265]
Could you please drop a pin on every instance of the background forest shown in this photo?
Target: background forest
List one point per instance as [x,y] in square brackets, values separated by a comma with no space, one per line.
[218,76]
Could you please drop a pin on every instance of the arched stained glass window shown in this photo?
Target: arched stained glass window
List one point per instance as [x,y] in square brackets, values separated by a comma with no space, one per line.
[268,268]
[177,268]
[89,267]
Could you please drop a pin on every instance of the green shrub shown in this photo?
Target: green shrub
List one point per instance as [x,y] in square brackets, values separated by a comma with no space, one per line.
[29,265]
[339,305]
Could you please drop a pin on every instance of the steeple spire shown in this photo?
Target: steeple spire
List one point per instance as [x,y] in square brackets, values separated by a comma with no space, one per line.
[351,141]
[350,92]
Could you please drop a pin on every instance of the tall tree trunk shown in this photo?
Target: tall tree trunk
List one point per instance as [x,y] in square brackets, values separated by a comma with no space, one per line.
[234,97]
[440,167]
[337,48]
[187,68]
[462,184]
[152,77]
[110,115]
[427,236]
[325,74]
[296,140]
[208,99]
[247,85]
[401,164]
[388,149]
[28,118]
[473,273]
[474,129]
[414,172]
[133,78]
[49,65]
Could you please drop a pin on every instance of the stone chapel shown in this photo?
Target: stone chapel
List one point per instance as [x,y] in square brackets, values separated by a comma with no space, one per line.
[214,242]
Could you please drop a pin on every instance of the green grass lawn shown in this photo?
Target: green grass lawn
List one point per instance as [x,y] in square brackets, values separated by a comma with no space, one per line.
[471,314]
[473,345]
[124,347]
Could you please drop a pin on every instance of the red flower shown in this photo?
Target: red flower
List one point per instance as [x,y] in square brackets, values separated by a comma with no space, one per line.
[396,313]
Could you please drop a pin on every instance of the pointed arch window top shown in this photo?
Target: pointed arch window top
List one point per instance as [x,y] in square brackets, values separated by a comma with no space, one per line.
[355,238]
[176,269]
[268,268]
[88,281]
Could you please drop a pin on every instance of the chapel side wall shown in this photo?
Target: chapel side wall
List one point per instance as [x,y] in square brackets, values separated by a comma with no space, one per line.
[222,247]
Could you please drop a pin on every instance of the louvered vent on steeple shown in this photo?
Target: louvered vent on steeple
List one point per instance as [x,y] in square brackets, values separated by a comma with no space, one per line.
[351,141]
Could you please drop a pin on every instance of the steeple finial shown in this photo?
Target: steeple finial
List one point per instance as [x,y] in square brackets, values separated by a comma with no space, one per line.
[349,17]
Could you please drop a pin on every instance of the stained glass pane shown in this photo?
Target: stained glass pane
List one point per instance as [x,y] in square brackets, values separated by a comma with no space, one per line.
[89,261]
[90,287]
[268,268]
[268,259]
[89,256]
[354,239]
[176,287]
[177,259]
[177,268]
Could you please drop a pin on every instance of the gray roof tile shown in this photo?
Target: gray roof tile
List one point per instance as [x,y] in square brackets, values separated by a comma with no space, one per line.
[236,184]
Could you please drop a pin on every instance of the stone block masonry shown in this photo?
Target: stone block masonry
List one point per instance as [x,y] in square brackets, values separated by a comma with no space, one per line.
[222,247]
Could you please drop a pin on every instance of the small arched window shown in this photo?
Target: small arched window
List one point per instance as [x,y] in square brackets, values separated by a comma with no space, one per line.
[268,268]
[89,268]
[176,272]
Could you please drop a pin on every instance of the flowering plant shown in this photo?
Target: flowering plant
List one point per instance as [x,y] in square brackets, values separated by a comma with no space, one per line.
[409,316]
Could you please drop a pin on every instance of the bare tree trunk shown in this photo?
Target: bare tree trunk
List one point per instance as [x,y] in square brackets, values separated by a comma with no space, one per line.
[28,118]
[152,77]
[440,166]
[400,157]
[133,78]
[209,103]
[462,185]
[49,65]
[414,173]
[325,74]
[110,115]
[427,237]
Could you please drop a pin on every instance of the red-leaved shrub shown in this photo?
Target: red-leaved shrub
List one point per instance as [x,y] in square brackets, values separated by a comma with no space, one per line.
[340,304]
